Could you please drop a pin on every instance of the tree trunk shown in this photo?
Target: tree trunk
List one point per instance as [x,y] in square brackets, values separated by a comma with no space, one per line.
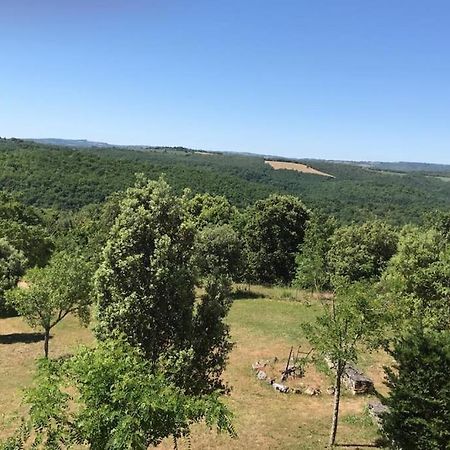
[46,339]
[337,398]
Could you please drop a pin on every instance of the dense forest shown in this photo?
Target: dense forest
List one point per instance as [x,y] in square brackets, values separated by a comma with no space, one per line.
[70,178]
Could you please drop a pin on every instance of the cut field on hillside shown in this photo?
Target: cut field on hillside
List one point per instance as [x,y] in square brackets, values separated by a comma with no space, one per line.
[262,327]
[297,167]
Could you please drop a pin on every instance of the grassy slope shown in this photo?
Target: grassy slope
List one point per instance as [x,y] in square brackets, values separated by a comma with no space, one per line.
[262,328]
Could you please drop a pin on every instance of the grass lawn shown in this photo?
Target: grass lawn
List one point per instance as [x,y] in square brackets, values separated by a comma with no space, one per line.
[262,328]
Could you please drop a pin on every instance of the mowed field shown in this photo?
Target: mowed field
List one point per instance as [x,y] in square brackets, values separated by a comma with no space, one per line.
[263,327]
[297,167]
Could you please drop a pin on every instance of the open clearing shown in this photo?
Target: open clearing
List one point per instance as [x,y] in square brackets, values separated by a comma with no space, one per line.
[263,326]
[297,167]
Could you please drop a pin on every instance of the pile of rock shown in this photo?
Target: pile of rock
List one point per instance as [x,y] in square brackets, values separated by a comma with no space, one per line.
[354,379]
[260,368]
[376,409]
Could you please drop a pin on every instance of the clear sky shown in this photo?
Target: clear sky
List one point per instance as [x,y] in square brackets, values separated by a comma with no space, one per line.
[338,79]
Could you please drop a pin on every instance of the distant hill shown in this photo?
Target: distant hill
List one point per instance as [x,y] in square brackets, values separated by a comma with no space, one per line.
[75,143]
[64,177]
[401,166]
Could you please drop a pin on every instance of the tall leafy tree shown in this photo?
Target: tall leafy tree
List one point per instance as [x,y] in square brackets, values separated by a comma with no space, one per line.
[146,288]
[24,228]
[417,280]
[219,250]
[145,283]
[418,414]
[62,287]
[312,261]
[274,231]
[361,252]
[349,321]
[206,209]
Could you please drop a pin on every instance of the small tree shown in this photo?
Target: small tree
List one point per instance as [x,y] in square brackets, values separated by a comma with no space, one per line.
[61,288]
[115,400]
[418,417]
[351,319]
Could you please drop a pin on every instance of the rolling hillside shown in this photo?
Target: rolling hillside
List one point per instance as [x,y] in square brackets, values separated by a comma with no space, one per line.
[69,178]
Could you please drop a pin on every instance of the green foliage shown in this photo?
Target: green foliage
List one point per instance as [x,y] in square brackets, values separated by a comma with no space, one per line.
[273,233]
[146,285]
[110,397]
[361,252]
[211,337]
[219,250]
[419,402]
[440,221]
[63,178]
[352,319]
[61,288]
[12,266]
[207,209]
[312,261]
[417,280]
[24,229]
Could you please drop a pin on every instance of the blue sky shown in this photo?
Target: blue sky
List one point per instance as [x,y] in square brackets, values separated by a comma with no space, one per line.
[338,79]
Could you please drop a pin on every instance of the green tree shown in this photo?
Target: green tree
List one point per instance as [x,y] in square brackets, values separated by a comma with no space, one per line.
[110,397]
[206,209]
[312,260]
[219,250]
[62,287]
[211,337]
[24,228]
[352,319]
[273,233]
[440,221]
[146,287]
[417,280]
[361,252]
[418,417]
[12,266]
[145,283]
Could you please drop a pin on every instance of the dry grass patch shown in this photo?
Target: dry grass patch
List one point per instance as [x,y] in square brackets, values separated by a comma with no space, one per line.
[297,167]
[262,328]
[20,345]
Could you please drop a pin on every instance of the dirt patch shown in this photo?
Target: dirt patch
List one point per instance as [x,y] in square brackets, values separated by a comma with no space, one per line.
[297,167]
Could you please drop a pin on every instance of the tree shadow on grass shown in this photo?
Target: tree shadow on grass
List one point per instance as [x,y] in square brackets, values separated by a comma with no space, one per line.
[240,294]
[357,445]
[21,338]
[379,443]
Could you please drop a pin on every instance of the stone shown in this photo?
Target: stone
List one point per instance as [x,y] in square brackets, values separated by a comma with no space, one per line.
[261,375]
[311,390]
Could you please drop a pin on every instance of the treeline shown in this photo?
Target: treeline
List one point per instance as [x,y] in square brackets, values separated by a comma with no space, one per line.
[62,178]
